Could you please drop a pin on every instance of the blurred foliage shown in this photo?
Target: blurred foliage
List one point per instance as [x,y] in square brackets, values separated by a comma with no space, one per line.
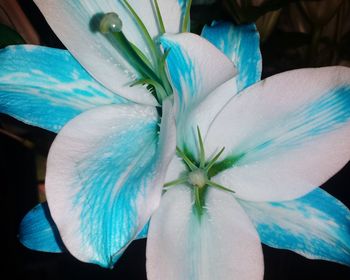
[294,33]
[9,37]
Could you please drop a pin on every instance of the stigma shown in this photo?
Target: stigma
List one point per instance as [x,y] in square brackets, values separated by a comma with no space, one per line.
[197,178]
[110,23]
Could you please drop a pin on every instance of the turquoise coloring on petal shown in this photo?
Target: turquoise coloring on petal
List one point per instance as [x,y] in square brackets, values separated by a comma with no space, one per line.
[241,44]
[99,174]
[181,69]
[143,233]
[47,87]
[321,116]
[105,172]
[37,231]
[316,226]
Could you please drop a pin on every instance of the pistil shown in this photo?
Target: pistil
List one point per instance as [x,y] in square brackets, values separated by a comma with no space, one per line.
[151,73]
[197,176]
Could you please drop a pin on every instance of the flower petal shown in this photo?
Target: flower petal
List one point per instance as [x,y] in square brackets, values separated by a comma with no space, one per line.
[223,244]
[202,115]
[105,176]
[195,67]
[316,226]
[72,20]
[240,43]
[47,87]
[38,231]
[172,11]
[284,136]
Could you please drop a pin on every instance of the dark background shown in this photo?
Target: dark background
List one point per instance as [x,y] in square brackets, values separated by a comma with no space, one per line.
[19,193]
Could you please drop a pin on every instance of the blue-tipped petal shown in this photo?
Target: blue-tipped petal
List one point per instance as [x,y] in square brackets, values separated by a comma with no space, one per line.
[143,233]
[105,175]
[283,136]
[37,231]
[241,44]
[73,23]
[47,87]
[195,67]
[316,226]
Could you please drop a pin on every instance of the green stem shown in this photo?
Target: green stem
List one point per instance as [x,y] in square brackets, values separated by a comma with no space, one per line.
[198,202]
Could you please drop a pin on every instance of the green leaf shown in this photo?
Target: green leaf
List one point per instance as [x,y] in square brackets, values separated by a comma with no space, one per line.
[9,37]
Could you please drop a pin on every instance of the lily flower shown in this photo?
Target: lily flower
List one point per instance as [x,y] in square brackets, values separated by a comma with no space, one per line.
[247,158]
[247,171]
[107,165]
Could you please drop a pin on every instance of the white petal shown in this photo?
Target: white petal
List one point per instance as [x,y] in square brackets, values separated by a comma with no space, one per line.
[71,21]
[196,69]
[105,176]
[222,245]
[316,226]
[47,87]
[284,136]
[202,115]
[172,12]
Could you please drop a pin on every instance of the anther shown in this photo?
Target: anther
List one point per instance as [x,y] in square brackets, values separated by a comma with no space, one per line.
[111,23]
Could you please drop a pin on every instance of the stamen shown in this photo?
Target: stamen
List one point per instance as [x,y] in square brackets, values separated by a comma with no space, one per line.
[149,68]
[159,17]
[186,20]
[150,43]
[218,186]
[111,23]
[162,73]
[215,158]
[201,149]
[158,63]
[142,55]
[189,163]
[160,92]
[176,182]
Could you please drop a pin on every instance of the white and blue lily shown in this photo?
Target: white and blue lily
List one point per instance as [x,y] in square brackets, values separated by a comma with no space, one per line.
[254,176]
[107,165]
[283,137]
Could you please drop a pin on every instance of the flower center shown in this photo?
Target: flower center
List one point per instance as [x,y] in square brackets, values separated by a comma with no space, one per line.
[198,175]
[198,178]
